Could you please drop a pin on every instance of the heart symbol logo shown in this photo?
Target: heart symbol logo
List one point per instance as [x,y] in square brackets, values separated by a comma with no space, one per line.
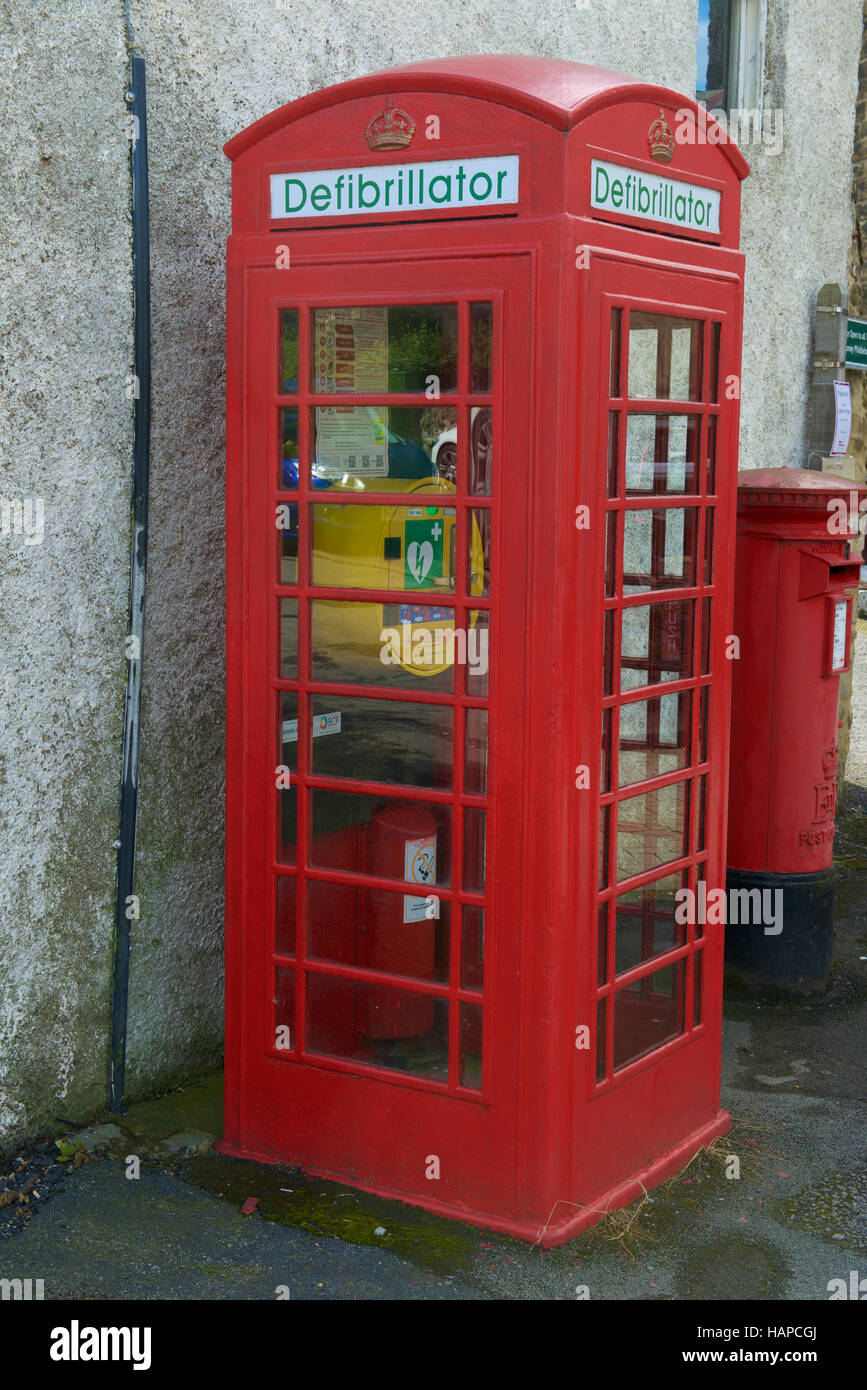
[419,558]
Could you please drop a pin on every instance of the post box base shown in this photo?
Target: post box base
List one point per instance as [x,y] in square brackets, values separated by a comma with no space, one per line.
[794,961]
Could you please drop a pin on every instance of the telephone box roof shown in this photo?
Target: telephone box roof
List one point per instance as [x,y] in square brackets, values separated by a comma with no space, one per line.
[553,90]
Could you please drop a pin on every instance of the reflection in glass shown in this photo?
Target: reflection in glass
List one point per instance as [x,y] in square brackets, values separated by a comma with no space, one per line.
[289,638]
[481,450]
[481,333]
[613,436]
[287,848]
[651,830]
[479,559]
[476,770]
[474,850]
[478,652]
[604,823]
[656,643]
[288,713]
[611,555]
[372,835]
[710,483]
[376,930]
[287,555]
[600,1039]
[385,348]
[661,453]
[648,1013]
[606,751]
[473,948]
[284,1010]
[471,1046]
[286,915]
[706,629]
[602,944]
[608,652]
[664,357]
[288,476]
[417,653]
[614,382]
[384,448]
[378,1025]
[288,366]
[382,741]
[714,361]
[384,547]
[645,922]
[654,737]
[658,549]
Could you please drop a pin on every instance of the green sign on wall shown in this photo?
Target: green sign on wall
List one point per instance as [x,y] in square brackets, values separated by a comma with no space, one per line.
[856,344]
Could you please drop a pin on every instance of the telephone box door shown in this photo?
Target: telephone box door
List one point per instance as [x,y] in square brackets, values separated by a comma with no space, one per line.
[379,718]
[667,358]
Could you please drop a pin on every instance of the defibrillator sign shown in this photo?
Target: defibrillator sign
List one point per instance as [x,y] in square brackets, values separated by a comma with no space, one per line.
[440,183]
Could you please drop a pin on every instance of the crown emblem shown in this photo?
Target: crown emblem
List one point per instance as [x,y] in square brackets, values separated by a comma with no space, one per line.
[660,139]
[390,129]
[829,762]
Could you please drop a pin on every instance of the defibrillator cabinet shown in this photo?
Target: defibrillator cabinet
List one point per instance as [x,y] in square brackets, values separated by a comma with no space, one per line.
[484,326]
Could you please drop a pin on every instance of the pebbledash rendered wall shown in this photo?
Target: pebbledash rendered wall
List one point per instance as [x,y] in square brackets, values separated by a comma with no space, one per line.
[66,438]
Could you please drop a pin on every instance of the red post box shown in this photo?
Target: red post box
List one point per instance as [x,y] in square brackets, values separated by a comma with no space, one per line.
[484,324]
[795,578]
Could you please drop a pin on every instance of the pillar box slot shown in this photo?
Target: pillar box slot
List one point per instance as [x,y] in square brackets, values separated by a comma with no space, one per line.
[484,329]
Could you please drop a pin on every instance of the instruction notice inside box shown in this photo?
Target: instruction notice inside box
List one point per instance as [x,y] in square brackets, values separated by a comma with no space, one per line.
[351,355]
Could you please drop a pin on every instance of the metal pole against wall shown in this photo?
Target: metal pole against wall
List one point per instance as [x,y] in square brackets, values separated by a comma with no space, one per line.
[126,907]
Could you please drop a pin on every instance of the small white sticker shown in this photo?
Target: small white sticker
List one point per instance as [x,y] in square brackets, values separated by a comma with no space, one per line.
[322,724]
[419,866]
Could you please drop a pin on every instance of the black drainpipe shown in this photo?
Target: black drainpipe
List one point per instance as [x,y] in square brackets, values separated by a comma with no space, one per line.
[138,565]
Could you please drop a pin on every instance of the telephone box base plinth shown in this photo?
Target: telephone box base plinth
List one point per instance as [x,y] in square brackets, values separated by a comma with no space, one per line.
[567,1219]
[791,963]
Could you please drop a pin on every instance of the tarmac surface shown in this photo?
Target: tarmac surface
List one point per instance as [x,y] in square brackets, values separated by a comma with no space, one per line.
[793,1082]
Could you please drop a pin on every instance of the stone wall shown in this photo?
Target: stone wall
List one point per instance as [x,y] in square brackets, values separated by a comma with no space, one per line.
[66,437]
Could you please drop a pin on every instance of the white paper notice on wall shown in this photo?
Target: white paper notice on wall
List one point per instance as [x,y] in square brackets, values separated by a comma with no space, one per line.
[842,418]
[419,866]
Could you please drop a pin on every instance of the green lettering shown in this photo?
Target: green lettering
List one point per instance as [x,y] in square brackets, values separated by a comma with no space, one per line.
[300,205]
[445,180]
[479,197]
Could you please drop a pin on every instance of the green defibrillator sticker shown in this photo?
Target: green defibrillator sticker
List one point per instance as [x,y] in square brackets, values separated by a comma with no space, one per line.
[424,553]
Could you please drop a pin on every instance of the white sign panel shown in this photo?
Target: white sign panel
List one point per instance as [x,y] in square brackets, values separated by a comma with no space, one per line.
[441,183]
[838,649]
[419,866]
[843,418]
[654,197]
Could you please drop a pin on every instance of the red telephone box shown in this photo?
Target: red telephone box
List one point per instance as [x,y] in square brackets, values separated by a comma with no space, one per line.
[484,323]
